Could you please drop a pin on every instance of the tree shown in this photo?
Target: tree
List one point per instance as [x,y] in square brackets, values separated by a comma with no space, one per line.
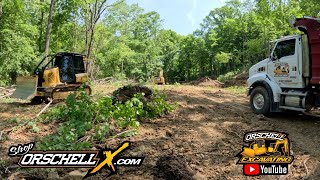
[49,25]
[94,11]
[127,42]
[18,40]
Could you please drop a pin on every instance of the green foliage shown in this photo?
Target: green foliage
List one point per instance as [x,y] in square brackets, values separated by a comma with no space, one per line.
[76,118]
[101,131]
[223,57]
[13,120]
[34,127]
[232,37]
[17,40]
[129,42]
[128,113]
[228,76]
[81,115]
[158,106]
[237,89]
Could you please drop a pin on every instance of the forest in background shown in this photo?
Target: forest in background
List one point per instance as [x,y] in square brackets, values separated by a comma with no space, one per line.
[124,41]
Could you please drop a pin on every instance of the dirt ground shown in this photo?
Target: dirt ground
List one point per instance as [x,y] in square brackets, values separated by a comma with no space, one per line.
[197,141]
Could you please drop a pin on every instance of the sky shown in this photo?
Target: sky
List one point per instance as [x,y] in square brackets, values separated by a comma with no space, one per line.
[182,16]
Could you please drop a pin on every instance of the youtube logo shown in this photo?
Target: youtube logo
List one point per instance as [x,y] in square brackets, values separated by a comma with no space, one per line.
[251,169]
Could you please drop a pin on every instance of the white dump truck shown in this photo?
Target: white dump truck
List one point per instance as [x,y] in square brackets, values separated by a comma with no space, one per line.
[289,79]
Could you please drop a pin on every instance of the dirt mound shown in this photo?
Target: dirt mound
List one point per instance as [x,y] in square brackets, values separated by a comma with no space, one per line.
[238,80]
[127,92]
[172,167]
[206,81]
[242,76]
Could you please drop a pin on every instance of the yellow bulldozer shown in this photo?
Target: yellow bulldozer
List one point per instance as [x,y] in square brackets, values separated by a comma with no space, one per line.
[256,148]
[55,79]
[160,79]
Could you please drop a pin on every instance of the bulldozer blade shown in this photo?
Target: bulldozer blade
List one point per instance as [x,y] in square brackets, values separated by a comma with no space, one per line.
[26,87]
[248,152]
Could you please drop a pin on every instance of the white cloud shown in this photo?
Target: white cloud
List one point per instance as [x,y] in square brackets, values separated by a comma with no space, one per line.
[190,14]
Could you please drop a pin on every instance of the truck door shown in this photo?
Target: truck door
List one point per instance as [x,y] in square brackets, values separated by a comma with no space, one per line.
[284,64]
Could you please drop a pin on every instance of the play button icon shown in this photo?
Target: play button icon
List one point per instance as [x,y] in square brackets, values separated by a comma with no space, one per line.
[251,169]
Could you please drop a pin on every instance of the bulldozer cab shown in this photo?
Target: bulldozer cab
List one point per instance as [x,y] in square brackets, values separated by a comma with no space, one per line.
[61,68]
[69,66]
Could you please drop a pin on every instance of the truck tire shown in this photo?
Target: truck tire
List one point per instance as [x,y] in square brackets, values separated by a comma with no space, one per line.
[260,101]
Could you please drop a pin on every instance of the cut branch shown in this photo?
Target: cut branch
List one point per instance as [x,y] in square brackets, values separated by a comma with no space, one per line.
[46,107]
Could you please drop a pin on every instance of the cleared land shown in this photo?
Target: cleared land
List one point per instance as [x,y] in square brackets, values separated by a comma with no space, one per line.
[201,137]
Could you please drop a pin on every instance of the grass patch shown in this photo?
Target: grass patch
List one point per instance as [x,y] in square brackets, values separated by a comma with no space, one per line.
[237,89]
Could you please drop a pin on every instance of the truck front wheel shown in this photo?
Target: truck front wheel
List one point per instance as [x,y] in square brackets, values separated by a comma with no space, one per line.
[260,101]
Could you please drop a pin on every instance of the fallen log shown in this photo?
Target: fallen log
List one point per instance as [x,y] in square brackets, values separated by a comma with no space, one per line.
[103,80]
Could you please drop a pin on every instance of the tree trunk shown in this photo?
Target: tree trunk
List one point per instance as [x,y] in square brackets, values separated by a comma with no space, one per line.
[122,67]
[87,35]
[91,41]
[40,29]
[188,68]
[94,11]
[49,27]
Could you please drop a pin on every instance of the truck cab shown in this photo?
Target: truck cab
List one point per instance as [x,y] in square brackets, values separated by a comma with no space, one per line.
[289,79]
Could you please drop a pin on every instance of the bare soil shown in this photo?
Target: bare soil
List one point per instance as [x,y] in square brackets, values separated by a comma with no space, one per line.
[206,81]
[197,141]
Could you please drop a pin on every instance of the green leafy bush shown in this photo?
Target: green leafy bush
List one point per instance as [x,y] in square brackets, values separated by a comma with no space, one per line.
[228,76]
[128,113]
[101,131]
[158,105]
[78,116]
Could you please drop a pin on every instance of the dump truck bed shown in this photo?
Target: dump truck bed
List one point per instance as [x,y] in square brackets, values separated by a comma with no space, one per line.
[311,27]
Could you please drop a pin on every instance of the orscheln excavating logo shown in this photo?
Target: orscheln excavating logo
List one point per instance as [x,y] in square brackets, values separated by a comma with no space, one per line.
[266,153]
[96,160]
